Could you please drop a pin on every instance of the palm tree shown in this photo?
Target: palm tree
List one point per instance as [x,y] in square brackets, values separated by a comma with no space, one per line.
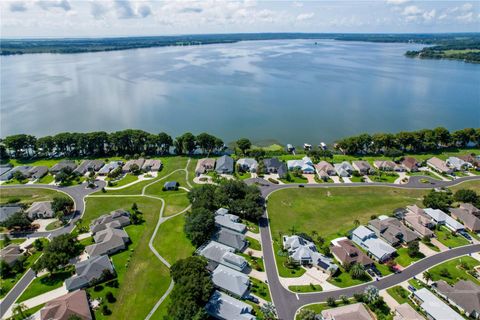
[427,276]
[357,271]
[19,311]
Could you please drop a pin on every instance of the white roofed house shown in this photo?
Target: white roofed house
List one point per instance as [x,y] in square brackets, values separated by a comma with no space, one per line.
[233,281]
[439,165]
[376,248]
[305,165]
[458,164]
[106,169]
[343,169]
[363,167]
[222,306]
[440,217]
[305,252]
[218,253]
[229,221]
[248,164]
[433,306]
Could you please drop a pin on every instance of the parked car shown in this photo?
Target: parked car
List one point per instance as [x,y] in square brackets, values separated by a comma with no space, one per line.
[465,235]
[253,299]
[301,186]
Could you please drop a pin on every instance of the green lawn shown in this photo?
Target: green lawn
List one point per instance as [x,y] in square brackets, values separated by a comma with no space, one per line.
[404,259]
[399,294]
[295,179]
[28,195]
[253,227]
[53,225]
[306,288]
[87,241]
[260,289]
[46,179]
[455,270]
[138,265]
[446,237]
[243,176]
[28,313]
[384,177]
[319,307]
[356,179]
[416,284]
[46,283]
[254,262]
[13,241]
[474,185]
[254,244]
[384,270]
[16,181]
[128,178]
[343,279]
[283,271]
[331,212]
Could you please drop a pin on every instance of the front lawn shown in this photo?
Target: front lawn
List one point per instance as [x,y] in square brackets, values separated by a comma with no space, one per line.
[331,212]
[54,225]
[260,289]
[12,241]
[356,179]
[343,279]
[281,258]
[294,179]
[446,237]
[46,179]
[306,288]
[417,284]
[251,226]
[46,283]
[254,244]
[454,270]
[254,262]
[399,294]
[28,195]
[128,178]
[386,177]
[404,259]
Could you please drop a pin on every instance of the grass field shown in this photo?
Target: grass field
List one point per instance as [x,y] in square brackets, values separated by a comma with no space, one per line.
[399,294]
[46,179]
[331,212]
[46,283]
[128,178]
[260,289]
[254,244]
[28,195]
[449,239]
[14,241]
[473,185]
[455,270]
[343,279]
[306,288]
[53,225]
[404,259]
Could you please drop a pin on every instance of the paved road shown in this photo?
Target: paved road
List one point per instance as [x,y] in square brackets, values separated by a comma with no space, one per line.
[287,302]
[77,193]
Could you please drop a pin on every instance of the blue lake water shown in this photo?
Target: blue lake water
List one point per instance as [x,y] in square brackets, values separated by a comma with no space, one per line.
[291,91]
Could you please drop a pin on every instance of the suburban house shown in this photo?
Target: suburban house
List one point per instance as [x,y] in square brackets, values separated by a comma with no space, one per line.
[11,254]
[218,253]
[343,169]
[355,311]
[439,165]
[152,165]
[230,238]
[67,306]
[88,271]
[222,306]
[465,295]
[115,219]
[469,219]
[38,172]
[64,164]
[170,185]
[290,147]
[230,280]
[471,159]
[107,242]
[224,165]
[376,248]
[89,165]
[248,164]
[363,167]
[106,169]
[24,170]
[458,164]
[387,165]
[40,210]
[204,165]
[305,253]
[419,221]
[223,219]
[392,230]
[440,217]
[410,164]
[347,253]
[470,208]
[5,168]
[435,308]
[8,210]
[273,165]
[325,167]
[305,165]
[406,312]
[127,167]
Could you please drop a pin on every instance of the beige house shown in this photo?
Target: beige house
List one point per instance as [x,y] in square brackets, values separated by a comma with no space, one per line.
[356,311]
[204,165]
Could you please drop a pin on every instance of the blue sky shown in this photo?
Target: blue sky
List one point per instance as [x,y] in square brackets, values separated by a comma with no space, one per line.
[95,18]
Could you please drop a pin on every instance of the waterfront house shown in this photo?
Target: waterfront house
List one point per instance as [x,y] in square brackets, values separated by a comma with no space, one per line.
[356,311]
[458,164]
[376,248]
[224,307]
[204,165]
[465,295]
[440,217]
[347,253]
[73,305]
[392,231]
[326,167]
[304,165]
[230,280]
[247,164]
[224,165]
[434,308]
[343,169]
[89,271]
[410,164]
[40,210]
[63,165]
[273,165]
[363,167]
[439,165]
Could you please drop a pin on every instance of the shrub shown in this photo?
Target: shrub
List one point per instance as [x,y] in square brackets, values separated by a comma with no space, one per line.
[331,302]
[273,181]
[110,298]
[106,311]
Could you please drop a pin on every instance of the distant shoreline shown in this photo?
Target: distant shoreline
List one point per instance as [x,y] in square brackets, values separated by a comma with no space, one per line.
[85,45]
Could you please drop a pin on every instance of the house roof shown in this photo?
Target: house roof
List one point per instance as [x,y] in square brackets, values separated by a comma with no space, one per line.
[438,164]
[457,163]
[470,221]
[106,241]
[230,238]
[120,215]
[229,221]
[109,167]
[406,312]
[63,164]
[325,166]
[409,163]
[361,165]
[247,162]
[272,163]
[7,211]
[130,163]
[465,294]
[87,271]
[301,249]
[356,311]
[378,247]
[204,164]
[435,307]
[470,208]
[224,307]
[224,163]
[11,253]
[363,232]
[419,222]
[441,216]
[38,171]
[348,253]
[222,254]
[152,164]
[230,280]
[170,184]
[470,159]
[384,164]
[89,165]
[43,207]
[62,308]
[393,230]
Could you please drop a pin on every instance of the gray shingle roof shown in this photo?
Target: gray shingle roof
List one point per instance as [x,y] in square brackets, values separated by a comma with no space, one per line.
[222,306]
[230,238]
[224,165]
[108,241]
[7,211]
[231,280]
[87,271]
[120,215]
[465,294]
[41,209]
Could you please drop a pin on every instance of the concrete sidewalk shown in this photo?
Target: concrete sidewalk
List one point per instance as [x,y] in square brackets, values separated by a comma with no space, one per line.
[40,299]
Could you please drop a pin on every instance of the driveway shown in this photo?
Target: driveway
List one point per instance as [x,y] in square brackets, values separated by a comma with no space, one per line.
[310,178]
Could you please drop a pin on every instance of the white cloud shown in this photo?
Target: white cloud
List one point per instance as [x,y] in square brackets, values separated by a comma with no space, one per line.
[18,6]
[54,4]
[467,17]
[397,2]
[305,16]
[125,9]
[411,10]
[98,10]
[429,15]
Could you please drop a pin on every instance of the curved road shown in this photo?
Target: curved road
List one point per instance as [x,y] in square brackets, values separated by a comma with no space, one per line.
[287,303]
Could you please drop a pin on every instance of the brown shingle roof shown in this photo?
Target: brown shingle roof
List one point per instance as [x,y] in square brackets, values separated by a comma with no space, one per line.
[348,253]
[465,294]
[62,308]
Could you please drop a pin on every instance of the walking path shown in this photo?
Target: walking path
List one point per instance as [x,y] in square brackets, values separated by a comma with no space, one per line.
[140,179]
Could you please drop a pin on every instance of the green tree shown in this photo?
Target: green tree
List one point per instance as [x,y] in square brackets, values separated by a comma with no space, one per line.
[62,204]
[427,276]
[19,311]
[243,144]
[18,176]
[58,252]
[371,294]
[466,195]
[331,302]
[199,225]
[437,200]
[413,249]
[38,244]
[18,220]
[357,271]
[306,314]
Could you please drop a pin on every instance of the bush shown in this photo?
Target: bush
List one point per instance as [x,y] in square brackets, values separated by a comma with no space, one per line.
[331,302]
[13,200]
[106,311]
[110,298]
[273,181]
[98,288]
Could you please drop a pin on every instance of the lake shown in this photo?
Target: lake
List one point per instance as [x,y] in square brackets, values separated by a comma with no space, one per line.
[293,91]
